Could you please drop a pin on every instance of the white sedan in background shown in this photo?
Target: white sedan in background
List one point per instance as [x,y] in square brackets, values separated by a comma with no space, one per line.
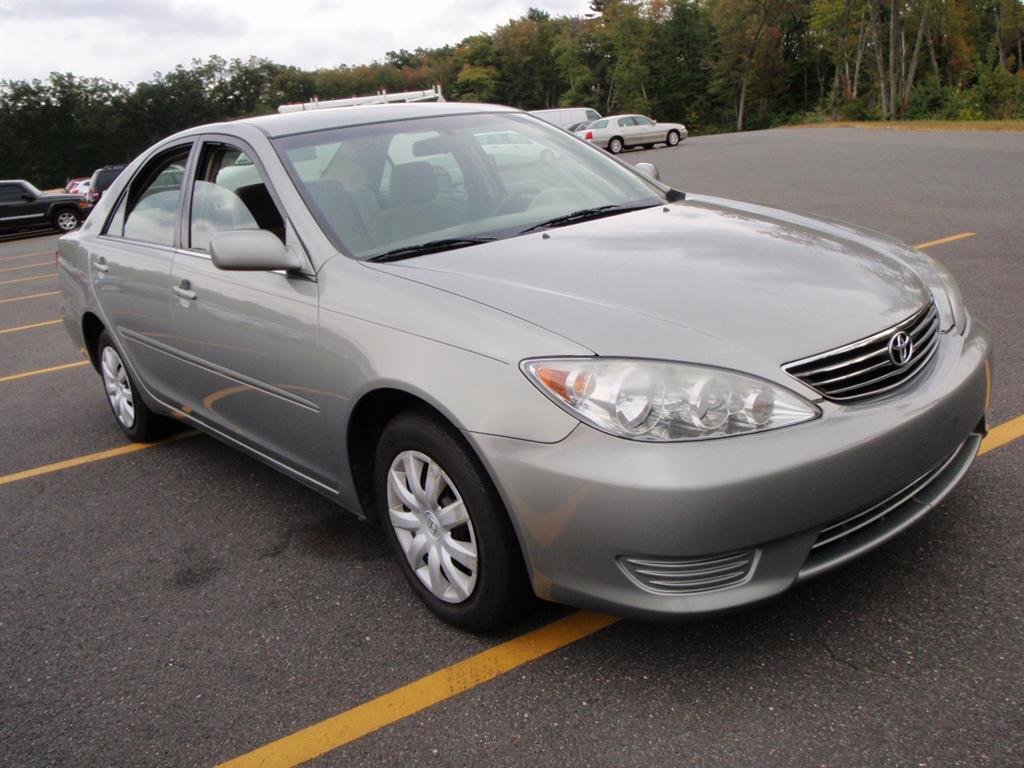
[620,132]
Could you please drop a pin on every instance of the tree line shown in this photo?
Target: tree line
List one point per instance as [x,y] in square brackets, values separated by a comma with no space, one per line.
[714,64]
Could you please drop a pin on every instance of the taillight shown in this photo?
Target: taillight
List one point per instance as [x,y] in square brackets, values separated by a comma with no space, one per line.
[589,136]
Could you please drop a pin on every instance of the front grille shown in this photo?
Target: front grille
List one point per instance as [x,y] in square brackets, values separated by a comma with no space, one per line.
[855,534]
[865,368]
[687,576]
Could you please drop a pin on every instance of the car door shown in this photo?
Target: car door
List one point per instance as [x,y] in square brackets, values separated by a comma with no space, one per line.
[647,130]
[627,130]
[130,267]
[247,339]
[19,207]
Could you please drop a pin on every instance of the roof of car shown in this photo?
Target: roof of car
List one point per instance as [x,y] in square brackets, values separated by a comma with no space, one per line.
[341,117]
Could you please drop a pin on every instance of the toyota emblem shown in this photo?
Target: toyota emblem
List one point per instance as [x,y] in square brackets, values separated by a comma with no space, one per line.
[901,348]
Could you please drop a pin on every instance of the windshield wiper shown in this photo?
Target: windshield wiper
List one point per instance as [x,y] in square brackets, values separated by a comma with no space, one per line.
[586,213]
[432,246]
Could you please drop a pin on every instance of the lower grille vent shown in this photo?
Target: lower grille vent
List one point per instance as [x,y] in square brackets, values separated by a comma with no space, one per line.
[687,576]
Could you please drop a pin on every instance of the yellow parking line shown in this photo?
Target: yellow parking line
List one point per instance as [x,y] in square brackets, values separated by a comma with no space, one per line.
[26,374]
[26,279]
[32,296]
[29,327]
[942,240]
[28,266]
[28,255]
[425,692]
[1005,433]
[87,459]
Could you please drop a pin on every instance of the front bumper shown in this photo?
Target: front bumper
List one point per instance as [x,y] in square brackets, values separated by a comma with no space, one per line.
[673,529]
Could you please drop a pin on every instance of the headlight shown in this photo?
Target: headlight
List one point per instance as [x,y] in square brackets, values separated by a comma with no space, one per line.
[661,402]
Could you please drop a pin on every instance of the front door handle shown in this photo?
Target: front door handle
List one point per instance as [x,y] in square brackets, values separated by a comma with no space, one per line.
[184,290]
[100,264]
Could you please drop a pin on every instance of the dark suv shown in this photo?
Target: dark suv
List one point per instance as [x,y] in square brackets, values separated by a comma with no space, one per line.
[101,180]
[22,206]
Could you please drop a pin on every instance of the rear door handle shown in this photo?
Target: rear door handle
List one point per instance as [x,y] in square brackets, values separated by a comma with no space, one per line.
[100,264]
[184,290]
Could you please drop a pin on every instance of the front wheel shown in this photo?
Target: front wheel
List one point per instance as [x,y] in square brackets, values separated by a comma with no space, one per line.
[446,525]
[673,138]
[132,414]
[66,219]
[615,146]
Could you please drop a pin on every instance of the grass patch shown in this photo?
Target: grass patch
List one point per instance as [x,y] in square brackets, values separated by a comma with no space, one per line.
[921,125]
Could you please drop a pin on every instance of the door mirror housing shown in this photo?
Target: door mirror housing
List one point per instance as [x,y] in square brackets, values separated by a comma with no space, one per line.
[28,196]
[251,250]
[648,169]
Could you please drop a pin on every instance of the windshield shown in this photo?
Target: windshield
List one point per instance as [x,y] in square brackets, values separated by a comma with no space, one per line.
[388,186]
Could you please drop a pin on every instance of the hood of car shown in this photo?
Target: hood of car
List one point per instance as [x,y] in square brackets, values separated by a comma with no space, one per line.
[704,280]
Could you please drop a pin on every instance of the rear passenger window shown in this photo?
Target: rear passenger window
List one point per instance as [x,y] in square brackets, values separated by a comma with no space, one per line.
[149,212]
[230,194]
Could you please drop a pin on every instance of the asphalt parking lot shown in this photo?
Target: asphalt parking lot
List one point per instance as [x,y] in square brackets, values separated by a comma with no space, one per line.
[184,605]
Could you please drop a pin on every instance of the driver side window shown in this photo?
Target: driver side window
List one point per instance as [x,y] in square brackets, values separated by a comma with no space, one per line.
[229,193]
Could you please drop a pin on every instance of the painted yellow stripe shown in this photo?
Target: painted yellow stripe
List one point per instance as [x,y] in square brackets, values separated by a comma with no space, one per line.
[40,371]
[32,296]
[29,327]
[28,255]
[1002,435]
[425,692]
[87,459]
[950,239]
[28,266]
[26,279]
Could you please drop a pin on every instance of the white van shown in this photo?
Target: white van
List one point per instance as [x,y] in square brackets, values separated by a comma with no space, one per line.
[563,118]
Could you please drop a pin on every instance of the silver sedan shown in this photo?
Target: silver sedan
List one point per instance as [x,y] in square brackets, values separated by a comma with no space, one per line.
[620,132]
[549,375]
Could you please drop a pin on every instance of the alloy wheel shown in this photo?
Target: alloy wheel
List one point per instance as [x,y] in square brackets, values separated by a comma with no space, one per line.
[432,526]
[118,386]
[66,221]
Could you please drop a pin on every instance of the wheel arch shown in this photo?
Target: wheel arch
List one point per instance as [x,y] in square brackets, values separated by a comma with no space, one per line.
[369,416]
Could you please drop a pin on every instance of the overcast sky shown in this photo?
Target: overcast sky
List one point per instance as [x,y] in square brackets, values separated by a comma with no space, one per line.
[129,40]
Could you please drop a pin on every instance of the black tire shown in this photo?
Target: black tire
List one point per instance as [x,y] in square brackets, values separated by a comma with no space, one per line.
[615,145]
[672,140]
[66,219]
[502,588]
[145,426]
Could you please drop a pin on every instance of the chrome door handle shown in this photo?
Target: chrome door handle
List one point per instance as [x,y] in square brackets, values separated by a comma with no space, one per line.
[100,264]
[184,290]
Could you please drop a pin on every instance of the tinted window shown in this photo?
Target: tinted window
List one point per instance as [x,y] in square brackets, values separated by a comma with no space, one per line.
[11,193]
[643,121]
[149,211]
[599,124]
[230,194]
[592,115]
[625,122]
[103,178]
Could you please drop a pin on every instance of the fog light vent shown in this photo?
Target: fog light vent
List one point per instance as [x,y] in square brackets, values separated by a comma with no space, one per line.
[689,575]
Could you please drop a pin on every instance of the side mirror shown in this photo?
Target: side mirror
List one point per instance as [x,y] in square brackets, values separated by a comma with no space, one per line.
[28,196]
[648,169]
[251,250]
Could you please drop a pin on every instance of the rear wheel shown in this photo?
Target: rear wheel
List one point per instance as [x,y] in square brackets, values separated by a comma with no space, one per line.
[66,219]
[615,145]
[446,525]
[133,416]
[673,138]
